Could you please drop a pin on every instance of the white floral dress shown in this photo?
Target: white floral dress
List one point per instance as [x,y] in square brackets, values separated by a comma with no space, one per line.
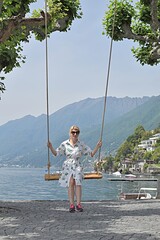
[72,165]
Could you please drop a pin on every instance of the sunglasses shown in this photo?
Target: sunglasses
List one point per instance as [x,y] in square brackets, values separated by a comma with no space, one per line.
[75,132]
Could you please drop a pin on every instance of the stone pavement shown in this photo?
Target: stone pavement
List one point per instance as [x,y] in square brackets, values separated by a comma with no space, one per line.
[101,220]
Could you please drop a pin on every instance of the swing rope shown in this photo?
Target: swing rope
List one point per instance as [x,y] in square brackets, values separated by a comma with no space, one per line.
[47,90]
[47,85]
[107,81]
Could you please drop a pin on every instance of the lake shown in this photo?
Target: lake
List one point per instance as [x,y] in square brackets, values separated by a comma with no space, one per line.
[29,184]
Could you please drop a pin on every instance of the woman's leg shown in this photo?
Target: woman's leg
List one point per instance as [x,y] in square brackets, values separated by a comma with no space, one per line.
[78,193]
[78,196]
[71,190]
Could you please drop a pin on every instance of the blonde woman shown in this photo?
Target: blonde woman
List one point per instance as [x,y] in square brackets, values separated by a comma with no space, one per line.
[72,171]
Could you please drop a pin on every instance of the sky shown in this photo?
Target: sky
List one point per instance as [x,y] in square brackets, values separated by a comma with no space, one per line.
[78,65]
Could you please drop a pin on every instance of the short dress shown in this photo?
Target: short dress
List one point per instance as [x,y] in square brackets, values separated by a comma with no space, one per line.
[72,166]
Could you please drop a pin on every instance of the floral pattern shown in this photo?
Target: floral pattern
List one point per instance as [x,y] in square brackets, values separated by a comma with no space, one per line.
[72,165]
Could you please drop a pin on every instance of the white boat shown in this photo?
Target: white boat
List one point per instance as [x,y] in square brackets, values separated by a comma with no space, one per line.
[117,174]
[144,193]
[151,193]
[130,176]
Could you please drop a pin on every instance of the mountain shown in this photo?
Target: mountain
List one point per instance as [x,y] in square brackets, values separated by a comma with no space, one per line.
[23,141]
[147,115]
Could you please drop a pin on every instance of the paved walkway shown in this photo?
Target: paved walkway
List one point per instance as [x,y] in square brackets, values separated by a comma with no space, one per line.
[104,220]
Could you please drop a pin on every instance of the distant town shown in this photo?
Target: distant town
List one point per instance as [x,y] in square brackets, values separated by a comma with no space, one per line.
[136,154]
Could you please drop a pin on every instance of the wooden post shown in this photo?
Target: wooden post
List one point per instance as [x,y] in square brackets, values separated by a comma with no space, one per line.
[158,188]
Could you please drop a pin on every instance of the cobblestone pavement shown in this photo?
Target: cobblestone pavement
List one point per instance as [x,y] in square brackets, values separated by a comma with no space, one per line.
[101,220]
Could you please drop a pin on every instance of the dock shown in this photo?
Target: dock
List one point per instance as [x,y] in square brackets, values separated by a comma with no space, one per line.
[133,179]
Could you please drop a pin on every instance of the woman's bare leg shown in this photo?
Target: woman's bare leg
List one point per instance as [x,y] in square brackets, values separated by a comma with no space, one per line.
[78,193]
[71,190]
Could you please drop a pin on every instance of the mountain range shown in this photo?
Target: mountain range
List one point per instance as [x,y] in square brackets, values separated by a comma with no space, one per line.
[24,141]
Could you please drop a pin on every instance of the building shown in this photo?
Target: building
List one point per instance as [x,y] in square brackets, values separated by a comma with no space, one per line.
[149,144]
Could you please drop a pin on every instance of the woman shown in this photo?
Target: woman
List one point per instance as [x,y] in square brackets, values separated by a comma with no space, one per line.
[72,171]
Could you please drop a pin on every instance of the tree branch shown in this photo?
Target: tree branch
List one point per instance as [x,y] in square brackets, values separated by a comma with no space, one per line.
[31,23]
[154,11]
[155,53]
[1,3]
[127,33]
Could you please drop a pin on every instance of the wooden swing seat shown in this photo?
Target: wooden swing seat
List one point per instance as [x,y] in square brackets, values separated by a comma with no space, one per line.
[87,175]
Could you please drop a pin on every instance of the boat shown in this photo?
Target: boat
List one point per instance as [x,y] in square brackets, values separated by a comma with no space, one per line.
[144,193]
[117,174]
[151,193]
[130,176]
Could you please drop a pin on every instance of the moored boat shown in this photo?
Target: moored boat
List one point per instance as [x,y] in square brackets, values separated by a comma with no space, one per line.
[144,193]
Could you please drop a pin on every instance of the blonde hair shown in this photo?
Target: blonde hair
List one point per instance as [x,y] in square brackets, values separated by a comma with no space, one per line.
[74,127]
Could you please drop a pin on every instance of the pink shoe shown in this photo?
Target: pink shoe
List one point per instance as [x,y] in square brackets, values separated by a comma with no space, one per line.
[79,208]
[72,208]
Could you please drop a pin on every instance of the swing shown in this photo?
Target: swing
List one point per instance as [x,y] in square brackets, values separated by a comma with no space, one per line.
[88,175]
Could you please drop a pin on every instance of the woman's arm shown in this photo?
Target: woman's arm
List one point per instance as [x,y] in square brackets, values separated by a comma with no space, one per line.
[99,144]
[51,148]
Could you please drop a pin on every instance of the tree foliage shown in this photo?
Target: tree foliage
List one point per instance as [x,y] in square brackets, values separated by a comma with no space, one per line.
[107,164]
[138,21]
[126,150]
[156,155]
[17,25]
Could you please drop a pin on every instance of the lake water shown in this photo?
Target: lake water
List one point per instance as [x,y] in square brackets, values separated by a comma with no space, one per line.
[29,184]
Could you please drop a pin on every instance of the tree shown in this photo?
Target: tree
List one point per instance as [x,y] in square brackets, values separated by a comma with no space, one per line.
[124,151]
[16,27]
[156,155]
[138,21]
[139,132]
[107,164]
[128,148]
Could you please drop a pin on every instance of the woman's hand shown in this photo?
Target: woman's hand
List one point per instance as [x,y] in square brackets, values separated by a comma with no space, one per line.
[99,144]
[49,144]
